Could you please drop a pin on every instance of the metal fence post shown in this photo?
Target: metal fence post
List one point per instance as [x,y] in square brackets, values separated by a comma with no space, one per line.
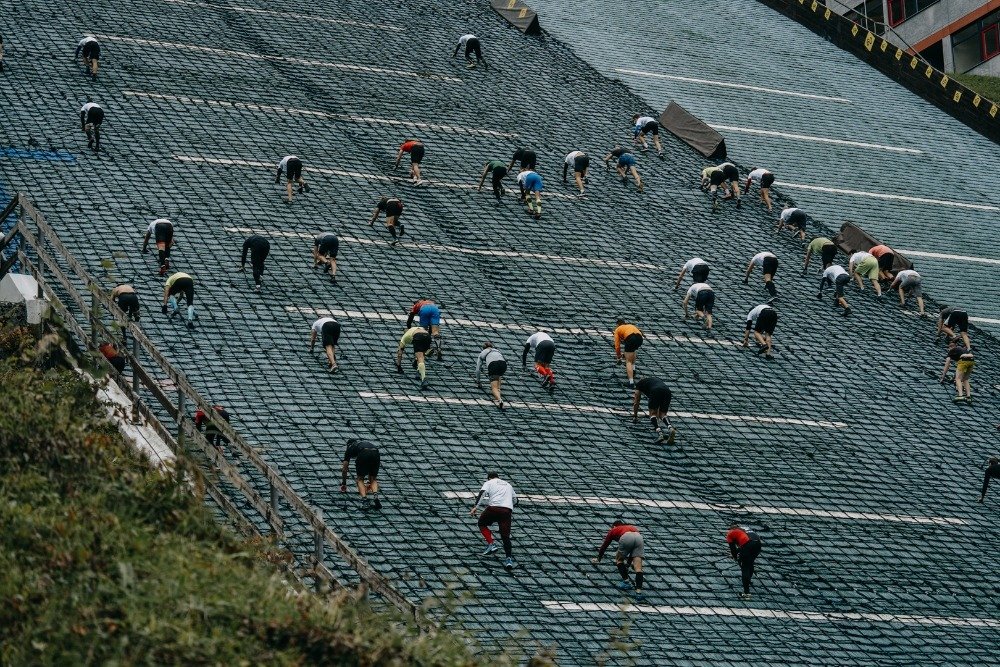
[318,547]
[135,378]
[94,316]
[38,252]
[180,420]
[274,496]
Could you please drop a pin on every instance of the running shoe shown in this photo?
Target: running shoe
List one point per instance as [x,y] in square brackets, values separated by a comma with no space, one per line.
[378,503]
[508,563]
[624,585]
[490,548]
[744,596]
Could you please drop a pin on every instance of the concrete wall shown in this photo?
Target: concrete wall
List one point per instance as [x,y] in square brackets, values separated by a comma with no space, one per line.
[933,18]
[989,68]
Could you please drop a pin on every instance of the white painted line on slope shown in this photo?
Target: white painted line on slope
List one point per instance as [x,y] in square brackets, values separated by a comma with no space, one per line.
[434,247]
[249,106]
[596,409]
[883,195]
[983,320]
[501,326]
[233,162]
[941,255]
[600,501]
[824,140]
[344,67]
[726,84]
[772,614]
[290,15]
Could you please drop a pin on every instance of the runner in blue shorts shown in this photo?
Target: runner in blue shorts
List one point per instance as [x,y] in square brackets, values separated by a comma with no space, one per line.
[626,163]
[428,314]
[530,183]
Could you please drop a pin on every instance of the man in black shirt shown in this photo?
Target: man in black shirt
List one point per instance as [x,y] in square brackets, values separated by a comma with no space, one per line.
[527,158]
[258,247]
[658,393]
[955,352]
[365,470]
[325,248]
[992,472]
[952,320]
[393,208]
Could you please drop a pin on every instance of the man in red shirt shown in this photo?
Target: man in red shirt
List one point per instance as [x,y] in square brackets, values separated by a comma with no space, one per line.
[744,547]
[886,258]
[416,150]
[629,553]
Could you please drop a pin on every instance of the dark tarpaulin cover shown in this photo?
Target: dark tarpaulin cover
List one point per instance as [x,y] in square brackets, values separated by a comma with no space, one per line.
[692,131]
[518,14]
[852,239]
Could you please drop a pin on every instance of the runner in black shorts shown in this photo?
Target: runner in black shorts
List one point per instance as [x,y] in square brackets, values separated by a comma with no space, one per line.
[627,339]
[393,208]
[766,180]
[496,366]
[768,264]
[794,219]
[366,467]
[471,45]
[580,163]
[658,394]
[704,303]
[712,178]
[328,330]
[162,231]
[90,49]
[643,125]
[762,319]
[325,247]
[545,349]
[421,342]
[952,320]
[416,150]
[91,118]
[292,166]
[527,158]
[127,299]
[258,248]
[732,175]
[497,170]
[179,284]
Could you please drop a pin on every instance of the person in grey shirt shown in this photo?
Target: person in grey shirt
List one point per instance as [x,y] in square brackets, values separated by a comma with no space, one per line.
[495,365]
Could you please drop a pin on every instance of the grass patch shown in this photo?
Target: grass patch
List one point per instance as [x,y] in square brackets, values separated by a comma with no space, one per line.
[986,86]
[106,560]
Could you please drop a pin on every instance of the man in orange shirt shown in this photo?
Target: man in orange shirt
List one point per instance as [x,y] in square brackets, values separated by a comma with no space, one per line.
[416,150]
[744,547]
[629,553]
[886,257]
[628,339]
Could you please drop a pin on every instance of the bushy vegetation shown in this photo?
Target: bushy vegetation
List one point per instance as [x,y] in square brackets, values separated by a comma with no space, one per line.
[986,86]
[106,560]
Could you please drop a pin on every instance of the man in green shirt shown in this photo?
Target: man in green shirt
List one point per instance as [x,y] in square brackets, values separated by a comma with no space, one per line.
[498,170]
[421,342]
[820,246]
[179,284]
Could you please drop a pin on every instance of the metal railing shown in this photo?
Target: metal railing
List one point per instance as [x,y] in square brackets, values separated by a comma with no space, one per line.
[87,304]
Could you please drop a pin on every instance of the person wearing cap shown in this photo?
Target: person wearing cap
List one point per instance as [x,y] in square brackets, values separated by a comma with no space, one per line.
[498,498]
[327,330]
[992,472]
[698,268]
[954,321]
[324,251]
[766,179]
[794,219]
[544,348]
[909,283]
[367,461]
[428,314]
[580,163]
[495,365]
[415,148]
[643,125]
[179,284]
[496,170]
[768,263]
[704,303]
[744,548]
[629,554]
[471,44]
[258,248]
[624,165]
[658,398]
[864,265]
[836,276]
[627,339]
[127,299]
[762,319]
[420,340]
[212,432]
[823,247]
[886,257]
[162,231]
[292,166]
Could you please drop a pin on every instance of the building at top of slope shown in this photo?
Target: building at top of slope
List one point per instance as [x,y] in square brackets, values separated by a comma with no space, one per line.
[960,36]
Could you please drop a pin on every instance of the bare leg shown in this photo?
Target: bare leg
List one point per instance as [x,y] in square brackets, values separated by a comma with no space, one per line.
[495,390]
[630,366]
[288,187]
[331,355]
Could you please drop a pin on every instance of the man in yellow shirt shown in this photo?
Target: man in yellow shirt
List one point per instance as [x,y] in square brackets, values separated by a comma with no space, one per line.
[179,284]
[421,342]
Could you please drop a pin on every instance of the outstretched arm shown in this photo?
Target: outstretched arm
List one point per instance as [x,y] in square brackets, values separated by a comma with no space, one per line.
[475,508]
[277,176]
[680,277]
[399,155]
[636,397]
[246,249]
[482,179]
[312,340]
[524,356]
[565,169]
[145,241]
[374,216]
[344,467]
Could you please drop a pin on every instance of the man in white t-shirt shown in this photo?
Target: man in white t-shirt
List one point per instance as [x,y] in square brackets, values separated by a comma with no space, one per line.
[864,265]
[837,277]
[162,231]
[292,166]
[327,330]
[794,219]
[765,179]
[580,163]
[544,348]
[704,303]
[768,264]
[471,44]
[643,125]
[762,319]
[498,498]
[698,268]
[909,283]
